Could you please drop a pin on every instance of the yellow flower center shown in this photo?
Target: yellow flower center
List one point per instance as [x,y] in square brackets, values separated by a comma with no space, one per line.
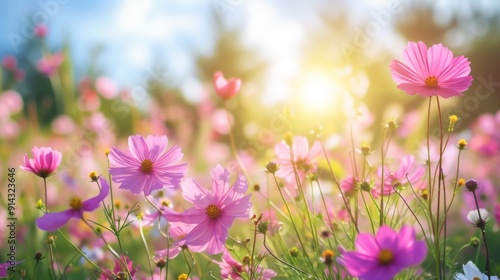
[385,257]
[183,276]
[75,203]
[213,212]
[476,278]
[431,82]
[146,166]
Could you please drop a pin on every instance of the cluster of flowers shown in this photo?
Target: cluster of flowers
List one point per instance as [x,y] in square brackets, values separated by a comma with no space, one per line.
[390,250]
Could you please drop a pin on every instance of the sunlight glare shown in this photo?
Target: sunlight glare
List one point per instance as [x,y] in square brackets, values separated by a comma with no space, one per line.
[318,91]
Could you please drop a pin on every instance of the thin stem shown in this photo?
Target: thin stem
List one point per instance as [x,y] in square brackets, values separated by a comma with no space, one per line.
[292,220]
[84,255]
[482,224]
[145,246]
[337,183]
[51,249]
[284,262]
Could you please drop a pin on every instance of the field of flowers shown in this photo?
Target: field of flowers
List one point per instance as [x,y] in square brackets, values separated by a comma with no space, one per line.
[96,185]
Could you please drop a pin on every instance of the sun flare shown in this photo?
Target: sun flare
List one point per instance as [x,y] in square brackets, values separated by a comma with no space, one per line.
[318,91]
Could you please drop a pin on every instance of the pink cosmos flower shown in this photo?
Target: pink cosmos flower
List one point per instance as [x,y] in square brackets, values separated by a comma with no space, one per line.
[9,63]
[384,255]
[407,168]
[49,64]
[41,30]
[44,162]
[213,212]
[226,89]
[431,72]
[3,269]
[178,231]
[304,158]
[106,87]
[348,185]
[147,166]
[232,269]
[119,272]
[12,101]
[63,124]
[54,220]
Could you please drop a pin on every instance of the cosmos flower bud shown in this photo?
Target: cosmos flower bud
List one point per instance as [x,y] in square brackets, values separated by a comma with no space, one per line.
[161,263]
[262,227]
[365,186]
[93,176]
[272,167]
[471,185]
[39,204]
[391,124]
[365,149]
[38,256]
[294,252]
[226,89]
[462,144]
[474,242]
[327,256]
[453,120]
[461,182]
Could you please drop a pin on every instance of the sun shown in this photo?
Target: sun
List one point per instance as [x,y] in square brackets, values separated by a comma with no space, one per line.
[318,91]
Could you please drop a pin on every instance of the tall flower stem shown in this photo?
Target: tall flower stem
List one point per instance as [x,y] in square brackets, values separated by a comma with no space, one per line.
[50,242]
[482,226]
[83,254]
[337,183]
[293,222]
[437,250]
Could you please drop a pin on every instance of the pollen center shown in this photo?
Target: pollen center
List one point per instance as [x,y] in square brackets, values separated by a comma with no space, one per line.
[476,278]
[212,211]
[431,82]
[75,203]
[146,166]
[385,257]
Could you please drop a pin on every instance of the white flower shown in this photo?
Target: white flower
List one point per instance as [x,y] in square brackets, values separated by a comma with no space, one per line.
[473,217]
[472,272]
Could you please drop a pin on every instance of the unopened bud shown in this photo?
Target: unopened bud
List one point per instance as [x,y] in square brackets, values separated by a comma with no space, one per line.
[462,144]
[471,185]
[272,167]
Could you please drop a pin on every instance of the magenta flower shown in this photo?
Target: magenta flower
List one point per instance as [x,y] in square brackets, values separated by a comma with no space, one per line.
[41,30]
[54,220]
[213,212]
[384,255]
[3,269]
[304,158]
[44,162]
[226,89]
[147,166]
[119,271]
[9,63]
[232,269]
[406,172]
[49,64]
[431,72]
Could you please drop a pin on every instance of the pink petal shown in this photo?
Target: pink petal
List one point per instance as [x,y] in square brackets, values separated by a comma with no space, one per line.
[93,203]
[53,221]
